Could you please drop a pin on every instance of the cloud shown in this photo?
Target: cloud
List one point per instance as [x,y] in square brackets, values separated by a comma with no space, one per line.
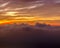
[38,7]
[29,7]
[57,1]
[26,0]
[4,4]
[5,9]
[21,8]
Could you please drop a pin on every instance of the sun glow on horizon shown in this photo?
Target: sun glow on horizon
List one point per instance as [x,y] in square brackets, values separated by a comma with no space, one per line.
[30,20]
[11,13]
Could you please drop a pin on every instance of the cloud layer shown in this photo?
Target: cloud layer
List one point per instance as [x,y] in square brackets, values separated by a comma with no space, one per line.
[42,8]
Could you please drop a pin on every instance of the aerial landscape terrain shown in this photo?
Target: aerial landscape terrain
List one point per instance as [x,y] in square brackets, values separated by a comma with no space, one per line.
[29,23]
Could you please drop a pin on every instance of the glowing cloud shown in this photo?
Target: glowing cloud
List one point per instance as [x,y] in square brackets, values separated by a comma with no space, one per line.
[34,6]
[4,4]
[28,7]
[11,14]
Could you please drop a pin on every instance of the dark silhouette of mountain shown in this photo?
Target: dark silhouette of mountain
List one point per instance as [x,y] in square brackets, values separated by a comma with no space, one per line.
[40,25]
[29,36]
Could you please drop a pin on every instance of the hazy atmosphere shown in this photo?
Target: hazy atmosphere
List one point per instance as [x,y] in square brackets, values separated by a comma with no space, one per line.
[29,23]
[30,10]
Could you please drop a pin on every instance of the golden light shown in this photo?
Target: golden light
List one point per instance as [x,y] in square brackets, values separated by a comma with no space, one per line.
[25,18]
[11,13]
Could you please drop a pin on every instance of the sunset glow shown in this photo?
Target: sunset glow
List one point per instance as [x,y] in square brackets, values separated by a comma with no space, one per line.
[29,23]
[32,20]
[34,10]
[10,14]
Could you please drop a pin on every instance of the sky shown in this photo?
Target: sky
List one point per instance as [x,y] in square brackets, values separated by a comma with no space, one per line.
[42,9]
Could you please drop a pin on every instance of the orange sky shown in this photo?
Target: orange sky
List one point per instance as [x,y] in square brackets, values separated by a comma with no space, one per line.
[11,17]
[43,11]
[32,20]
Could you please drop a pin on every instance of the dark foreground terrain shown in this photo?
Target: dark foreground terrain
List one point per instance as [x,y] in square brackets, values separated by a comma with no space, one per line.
[28,36]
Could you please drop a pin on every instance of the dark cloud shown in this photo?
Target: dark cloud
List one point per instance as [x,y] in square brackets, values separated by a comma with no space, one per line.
[26,0]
